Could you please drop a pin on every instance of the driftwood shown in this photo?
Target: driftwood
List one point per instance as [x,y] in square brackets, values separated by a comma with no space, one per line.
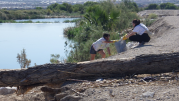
[104,68]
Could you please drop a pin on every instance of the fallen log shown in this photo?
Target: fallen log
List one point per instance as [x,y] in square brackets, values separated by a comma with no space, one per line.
[103,68]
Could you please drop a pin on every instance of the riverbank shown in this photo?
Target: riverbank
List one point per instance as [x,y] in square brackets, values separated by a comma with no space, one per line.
[73,20]
[80,16]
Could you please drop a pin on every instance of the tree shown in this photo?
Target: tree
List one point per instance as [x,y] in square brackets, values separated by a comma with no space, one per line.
[38,8]
[103,15]
[52,6]
[22,59]
[152,6]
[131,5]
[78,7]
[90,3]
[49,12]
[168,6]
[68,7]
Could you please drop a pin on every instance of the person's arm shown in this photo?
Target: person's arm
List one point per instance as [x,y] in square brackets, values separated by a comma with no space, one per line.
[109,52]
[108,41]
[130,34]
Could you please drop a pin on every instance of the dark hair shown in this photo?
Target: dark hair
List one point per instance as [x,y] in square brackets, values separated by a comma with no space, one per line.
[106,35]
[136,22]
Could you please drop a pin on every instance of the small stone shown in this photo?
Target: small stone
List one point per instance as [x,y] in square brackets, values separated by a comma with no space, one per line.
[158,99]
[58,97]
[148,94]
[168,97]
[71,98]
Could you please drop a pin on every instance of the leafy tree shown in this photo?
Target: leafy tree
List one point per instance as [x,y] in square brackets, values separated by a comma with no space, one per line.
[168,6]
[90,3]
[68,7]
[152,6]
[78,8]
[103,15]
[22,59]
[38,8]
[49,12]
[131,5]
[62,7]
[52,6]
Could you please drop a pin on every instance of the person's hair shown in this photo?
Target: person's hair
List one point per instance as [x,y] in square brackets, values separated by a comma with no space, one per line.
[106,35]
[136,22]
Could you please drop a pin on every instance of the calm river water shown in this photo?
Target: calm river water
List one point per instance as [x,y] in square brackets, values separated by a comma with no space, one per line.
[39,40]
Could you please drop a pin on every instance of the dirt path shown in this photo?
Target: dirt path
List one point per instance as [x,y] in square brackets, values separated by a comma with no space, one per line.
[160,13]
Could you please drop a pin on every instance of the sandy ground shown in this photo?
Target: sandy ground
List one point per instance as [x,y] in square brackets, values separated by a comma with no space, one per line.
[164,88]
[160,13]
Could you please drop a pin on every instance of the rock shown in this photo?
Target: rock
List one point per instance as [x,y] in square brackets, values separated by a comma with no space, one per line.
[71,98]
[7,90]
[58,97]
[148,94]
[48,96]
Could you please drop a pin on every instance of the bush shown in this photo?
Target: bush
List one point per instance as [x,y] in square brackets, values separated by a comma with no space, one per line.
[152,7]
[148,21]
[153,16]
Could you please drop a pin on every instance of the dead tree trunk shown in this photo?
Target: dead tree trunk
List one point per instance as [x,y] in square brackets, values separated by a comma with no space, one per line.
[55,73]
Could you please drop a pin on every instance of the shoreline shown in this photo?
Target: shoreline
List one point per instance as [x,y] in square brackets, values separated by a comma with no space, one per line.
[63,16]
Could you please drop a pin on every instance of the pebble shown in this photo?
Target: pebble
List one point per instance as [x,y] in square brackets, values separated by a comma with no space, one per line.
[148,94]
[71,98]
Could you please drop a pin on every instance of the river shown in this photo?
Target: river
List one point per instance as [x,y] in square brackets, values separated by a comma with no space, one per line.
[39,40]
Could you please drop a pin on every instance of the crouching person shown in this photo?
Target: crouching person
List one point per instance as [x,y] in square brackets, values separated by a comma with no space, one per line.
[100,45]
[139,33]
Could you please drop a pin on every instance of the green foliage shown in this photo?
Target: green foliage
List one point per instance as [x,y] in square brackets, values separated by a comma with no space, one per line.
[72,21]
[78,8]
[21,14]
[105,17]
[90,3]
[152,6]
[54,58]
[22,59]
[148,21]
[72,31]
[161,6]
[131,5]
[39,8]
[30,21]
[152,16]
[56,9]
[168,6]
[65,6]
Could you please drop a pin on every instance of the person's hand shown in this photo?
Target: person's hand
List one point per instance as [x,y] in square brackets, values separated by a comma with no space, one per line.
[124,37]
[115,41]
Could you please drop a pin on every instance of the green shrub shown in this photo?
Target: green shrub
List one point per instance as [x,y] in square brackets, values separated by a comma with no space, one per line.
[148,21]
[153,16]
[54,59]
[152,7]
